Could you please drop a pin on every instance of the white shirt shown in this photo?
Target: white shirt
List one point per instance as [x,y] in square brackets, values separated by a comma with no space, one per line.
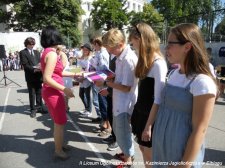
[68,82]
[201,85]
[31,51]
[101,59]
[123,102]
[158,72]
[84,63]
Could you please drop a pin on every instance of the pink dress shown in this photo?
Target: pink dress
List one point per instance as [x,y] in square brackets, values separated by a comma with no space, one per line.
[54,98]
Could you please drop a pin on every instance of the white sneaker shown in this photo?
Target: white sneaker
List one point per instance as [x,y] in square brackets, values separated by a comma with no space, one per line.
[86,114]
[82,111]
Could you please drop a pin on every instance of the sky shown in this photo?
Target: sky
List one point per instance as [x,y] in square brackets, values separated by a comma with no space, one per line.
[221,1]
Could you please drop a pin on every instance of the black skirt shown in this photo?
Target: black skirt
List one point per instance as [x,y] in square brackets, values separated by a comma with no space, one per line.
[138,122]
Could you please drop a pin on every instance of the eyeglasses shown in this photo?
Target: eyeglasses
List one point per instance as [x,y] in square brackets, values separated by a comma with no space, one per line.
[177,42]
[171,43]
[32,44]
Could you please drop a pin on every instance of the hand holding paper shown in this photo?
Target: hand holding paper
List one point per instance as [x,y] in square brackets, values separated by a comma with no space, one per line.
[101,75]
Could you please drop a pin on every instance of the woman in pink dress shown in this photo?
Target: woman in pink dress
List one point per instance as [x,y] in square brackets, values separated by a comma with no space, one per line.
[53,90]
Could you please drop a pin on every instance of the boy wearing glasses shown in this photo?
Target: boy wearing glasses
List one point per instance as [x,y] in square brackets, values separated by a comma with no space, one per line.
[124,91]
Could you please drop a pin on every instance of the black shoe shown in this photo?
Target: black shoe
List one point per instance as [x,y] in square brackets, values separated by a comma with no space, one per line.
[43,111]
[108,140]
[113,146]
[33,114]
[96,120]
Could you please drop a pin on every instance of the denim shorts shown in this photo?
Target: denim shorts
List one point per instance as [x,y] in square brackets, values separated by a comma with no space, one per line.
[122,130]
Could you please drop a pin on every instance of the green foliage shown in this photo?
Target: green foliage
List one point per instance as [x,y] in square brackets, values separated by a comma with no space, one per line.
[150,16]
[183,10]
[107,14]
[205,13]
[64,14]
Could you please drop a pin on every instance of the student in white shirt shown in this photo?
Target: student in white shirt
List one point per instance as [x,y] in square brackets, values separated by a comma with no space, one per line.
[124,90]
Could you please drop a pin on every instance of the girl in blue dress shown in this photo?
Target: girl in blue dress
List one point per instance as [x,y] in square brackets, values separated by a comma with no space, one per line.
[187,102]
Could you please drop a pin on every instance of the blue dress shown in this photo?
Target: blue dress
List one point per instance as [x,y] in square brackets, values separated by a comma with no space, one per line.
[173,126]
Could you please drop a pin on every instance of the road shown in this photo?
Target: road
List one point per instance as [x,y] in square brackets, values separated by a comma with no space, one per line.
[28,142]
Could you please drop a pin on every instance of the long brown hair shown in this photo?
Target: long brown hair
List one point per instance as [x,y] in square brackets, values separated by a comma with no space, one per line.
[196,61]
[149,45]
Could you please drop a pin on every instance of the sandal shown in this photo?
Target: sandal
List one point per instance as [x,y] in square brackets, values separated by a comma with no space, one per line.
[61,156]
[98,130]
[120,156]
[124,165]
[104,132]
[66,148]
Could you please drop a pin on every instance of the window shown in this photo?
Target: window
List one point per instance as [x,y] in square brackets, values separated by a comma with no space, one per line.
[128,5]
[134,6]
[89,6]
[139,8]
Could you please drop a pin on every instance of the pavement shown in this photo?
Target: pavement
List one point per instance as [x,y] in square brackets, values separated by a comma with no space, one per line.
[28,142]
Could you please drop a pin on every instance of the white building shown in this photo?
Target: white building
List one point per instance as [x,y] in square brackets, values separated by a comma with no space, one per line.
[87,27]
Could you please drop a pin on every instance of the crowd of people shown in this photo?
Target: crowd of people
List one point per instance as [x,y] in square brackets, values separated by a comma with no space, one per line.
[12,61]
[167,113]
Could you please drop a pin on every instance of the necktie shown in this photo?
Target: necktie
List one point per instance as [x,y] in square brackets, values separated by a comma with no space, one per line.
[32,53]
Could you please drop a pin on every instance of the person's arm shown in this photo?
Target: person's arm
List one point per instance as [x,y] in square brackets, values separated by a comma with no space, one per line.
[64,59]
[146,134]
[67,73]
[118,86]
[202,112]
[50,60]
[128,77]
[158,71]
[24,61]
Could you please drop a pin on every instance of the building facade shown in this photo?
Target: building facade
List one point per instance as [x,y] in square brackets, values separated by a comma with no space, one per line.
[86,25]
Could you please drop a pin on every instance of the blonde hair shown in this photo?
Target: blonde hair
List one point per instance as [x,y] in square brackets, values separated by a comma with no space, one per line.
[113,37]
[149,45]
[60,47]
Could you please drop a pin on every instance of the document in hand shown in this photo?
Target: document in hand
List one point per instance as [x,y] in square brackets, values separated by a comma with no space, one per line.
[99,75]
[37,67]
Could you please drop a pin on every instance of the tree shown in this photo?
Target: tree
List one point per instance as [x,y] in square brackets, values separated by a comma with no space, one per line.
[150,16]
[27,15]
[182,11]
[107,14]
[204,13]
[210,16]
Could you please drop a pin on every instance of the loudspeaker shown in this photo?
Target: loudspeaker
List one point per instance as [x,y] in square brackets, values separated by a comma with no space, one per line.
[2,52]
